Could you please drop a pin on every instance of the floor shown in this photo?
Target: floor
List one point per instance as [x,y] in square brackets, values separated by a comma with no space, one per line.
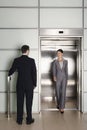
[51,104]
[48,120]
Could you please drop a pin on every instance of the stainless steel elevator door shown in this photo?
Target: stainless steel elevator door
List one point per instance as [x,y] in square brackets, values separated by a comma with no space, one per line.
[48,55]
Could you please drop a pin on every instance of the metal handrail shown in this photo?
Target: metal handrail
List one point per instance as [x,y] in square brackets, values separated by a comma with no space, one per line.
[8,98]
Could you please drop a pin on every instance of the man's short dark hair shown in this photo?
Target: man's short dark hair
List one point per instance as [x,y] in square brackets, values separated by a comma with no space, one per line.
[24,48]
[60,50]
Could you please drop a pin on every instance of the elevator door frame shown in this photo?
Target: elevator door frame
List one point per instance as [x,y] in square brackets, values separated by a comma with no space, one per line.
[80,78]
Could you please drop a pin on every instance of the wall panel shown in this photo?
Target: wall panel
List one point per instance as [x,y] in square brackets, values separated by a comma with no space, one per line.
[18,2]
[85,102]
[85,81]
[63,3]
[61,18]
[15,38]
[3,81]
[85,18]
[6,58]
[3,102]
[85,3]
[85,60]
[85,39]
[18,18]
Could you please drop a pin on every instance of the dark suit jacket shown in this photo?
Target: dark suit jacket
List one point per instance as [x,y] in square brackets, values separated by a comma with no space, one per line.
[26,69]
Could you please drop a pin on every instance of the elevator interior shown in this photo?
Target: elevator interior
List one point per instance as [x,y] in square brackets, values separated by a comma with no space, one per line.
[72,52]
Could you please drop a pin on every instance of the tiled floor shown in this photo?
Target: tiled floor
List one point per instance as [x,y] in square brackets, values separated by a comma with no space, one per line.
[48,120]
[70,104]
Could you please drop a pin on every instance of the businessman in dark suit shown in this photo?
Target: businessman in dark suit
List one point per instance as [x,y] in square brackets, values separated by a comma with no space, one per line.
[26,82]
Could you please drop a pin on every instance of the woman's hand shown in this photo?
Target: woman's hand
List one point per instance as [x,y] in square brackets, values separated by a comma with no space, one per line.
[54,78]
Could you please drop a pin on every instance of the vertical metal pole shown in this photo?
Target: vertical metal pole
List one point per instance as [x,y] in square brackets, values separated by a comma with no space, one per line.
[8,98]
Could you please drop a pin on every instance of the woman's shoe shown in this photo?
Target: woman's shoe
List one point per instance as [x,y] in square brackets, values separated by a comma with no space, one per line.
[62,111]
[57,107]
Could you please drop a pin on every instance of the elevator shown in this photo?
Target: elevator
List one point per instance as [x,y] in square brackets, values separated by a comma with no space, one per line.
[71,45]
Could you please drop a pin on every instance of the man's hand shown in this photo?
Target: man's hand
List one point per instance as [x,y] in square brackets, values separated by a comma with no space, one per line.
[9,78]
[54,78]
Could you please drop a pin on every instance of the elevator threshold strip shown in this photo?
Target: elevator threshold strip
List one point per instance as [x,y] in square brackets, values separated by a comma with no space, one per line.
[54,109]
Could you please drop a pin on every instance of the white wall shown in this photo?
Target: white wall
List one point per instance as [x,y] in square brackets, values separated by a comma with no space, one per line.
[85,56]
[61,3]
[19,24]
[17,37]
[18,18]
[61,18]
[85,3]
[18,3]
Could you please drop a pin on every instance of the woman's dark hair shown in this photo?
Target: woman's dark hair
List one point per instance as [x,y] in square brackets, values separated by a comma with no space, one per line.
[24,48]
[60,50]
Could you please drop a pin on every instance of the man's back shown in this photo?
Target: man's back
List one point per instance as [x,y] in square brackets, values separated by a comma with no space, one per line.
[26,69]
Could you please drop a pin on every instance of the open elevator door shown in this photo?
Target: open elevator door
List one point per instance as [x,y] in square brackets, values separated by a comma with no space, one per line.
[71,48]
